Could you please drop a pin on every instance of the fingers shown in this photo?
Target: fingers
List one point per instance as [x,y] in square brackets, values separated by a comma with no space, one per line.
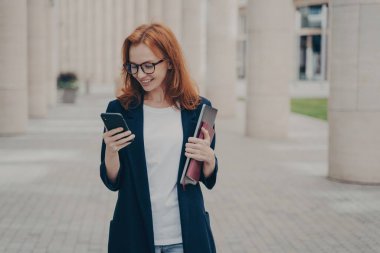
[111,138]
[205,140]
[192,151]
[197,151]
[113,131]
[115,139]
[194,145]
[199,141]
[121,135]
[124,140]
[198,157]
[206,134]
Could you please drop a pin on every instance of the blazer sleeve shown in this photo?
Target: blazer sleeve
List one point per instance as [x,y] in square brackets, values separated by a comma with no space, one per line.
[210,181]
[113,186]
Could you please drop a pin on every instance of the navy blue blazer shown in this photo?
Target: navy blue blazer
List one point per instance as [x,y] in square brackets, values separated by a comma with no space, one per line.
[131,229]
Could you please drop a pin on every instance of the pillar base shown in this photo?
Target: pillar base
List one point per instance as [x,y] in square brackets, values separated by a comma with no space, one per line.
[354,153]
[352,182]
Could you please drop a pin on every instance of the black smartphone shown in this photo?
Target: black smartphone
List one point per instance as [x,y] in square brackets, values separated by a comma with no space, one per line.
[114,120]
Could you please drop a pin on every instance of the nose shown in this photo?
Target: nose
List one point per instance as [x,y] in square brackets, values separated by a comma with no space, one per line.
[140,73]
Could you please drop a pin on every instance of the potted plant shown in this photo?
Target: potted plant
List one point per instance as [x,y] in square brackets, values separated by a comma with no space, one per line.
[68,82]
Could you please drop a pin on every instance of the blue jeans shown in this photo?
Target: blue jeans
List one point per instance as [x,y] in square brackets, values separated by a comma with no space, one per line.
[172,248]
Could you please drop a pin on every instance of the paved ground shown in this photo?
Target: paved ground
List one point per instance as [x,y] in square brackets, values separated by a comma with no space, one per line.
[271,196]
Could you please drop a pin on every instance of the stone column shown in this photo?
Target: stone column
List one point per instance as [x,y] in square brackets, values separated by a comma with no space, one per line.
[354,104]
[155,10]
[221,55]
[109,32]
[52,27]
[119,37]
[13,71]
[309,58]
[98,41]
[129,17]
[63,37]
[271,39]
[72,16]
[81,33]
[194,40]
[324,41]
[90,44]
[37,75]
[172,16]
[141,12]
[119,27]
[124,25]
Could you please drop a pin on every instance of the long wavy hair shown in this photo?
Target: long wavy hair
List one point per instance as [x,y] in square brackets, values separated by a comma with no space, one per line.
[180,90]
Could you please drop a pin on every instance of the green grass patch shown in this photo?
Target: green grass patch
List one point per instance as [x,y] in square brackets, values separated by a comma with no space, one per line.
[314,107]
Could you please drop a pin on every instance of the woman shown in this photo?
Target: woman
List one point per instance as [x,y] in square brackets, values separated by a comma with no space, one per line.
[161,105]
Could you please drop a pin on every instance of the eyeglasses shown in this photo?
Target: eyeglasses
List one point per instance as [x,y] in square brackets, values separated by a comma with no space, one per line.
[146,67]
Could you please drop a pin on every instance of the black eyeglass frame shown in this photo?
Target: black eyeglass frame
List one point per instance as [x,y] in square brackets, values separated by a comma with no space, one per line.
[128,65]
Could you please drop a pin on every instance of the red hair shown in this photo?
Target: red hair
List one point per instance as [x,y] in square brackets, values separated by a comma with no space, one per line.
[180,89]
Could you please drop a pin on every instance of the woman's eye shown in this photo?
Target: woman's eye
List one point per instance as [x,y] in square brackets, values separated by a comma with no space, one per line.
[148,66]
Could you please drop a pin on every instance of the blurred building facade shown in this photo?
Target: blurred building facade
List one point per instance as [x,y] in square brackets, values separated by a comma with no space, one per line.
[280,48]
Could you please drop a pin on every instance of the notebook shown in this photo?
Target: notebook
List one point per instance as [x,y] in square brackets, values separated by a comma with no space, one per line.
[192,170]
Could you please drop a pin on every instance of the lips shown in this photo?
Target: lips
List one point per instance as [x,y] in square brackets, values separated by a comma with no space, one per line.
[146,82]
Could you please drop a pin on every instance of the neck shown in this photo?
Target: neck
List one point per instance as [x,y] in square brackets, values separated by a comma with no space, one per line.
[156,96]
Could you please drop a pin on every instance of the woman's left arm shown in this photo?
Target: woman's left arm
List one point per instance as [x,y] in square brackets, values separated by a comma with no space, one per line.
[203,150]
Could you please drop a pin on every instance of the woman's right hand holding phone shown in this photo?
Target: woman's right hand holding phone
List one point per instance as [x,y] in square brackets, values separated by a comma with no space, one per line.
[116,139]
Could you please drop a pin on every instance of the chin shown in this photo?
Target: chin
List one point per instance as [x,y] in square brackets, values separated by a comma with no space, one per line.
[149,87]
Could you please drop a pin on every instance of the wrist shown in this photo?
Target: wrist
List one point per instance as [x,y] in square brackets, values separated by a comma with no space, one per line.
[209,166]
[111,151]
[210,162]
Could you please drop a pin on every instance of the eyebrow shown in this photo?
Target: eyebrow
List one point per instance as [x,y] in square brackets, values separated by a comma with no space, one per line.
[150,61]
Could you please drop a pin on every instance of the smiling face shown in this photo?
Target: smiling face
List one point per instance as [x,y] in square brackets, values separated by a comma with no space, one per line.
[139,54]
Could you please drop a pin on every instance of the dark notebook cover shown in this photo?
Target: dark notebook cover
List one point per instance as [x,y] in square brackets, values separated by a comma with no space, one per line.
[192,170]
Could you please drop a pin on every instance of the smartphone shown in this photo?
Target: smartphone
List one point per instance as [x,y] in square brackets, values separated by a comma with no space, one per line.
[114,120]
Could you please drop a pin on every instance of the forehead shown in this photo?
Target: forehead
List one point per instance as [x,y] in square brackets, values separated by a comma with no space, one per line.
[141,53]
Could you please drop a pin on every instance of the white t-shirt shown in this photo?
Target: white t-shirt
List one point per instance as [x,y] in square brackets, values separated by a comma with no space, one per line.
[163,143]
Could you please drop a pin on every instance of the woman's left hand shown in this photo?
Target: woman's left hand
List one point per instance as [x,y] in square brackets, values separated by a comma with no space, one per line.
[200,150]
